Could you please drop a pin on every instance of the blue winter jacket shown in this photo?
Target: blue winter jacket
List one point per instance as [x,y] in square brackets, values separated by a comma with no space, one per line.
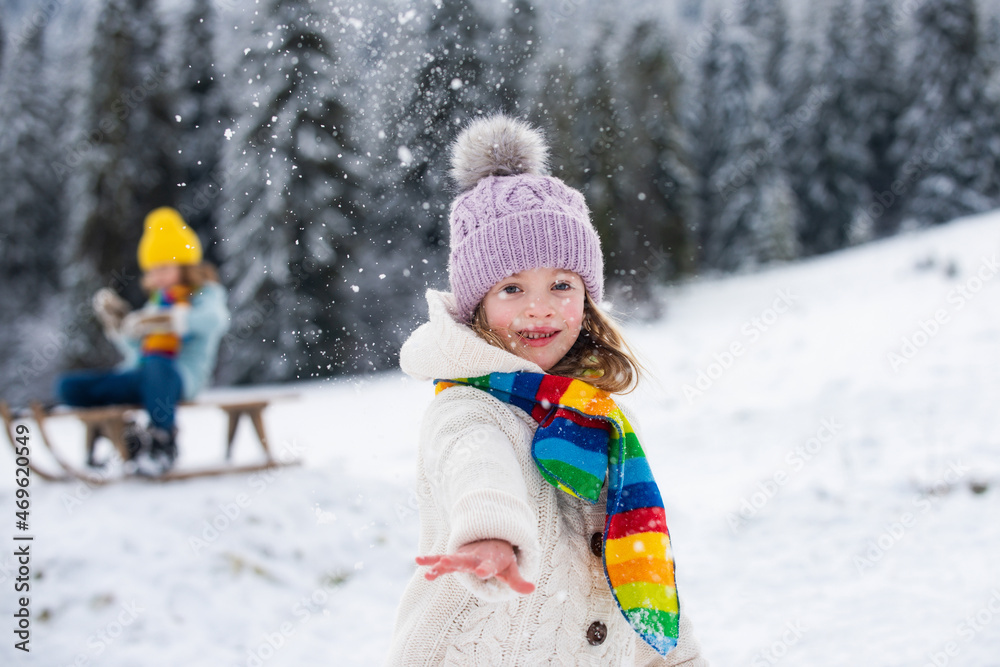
[207,322]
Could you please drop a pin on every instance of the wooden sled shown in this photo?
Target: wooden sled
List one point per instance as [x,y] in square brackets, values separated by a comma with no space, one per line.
[110,422]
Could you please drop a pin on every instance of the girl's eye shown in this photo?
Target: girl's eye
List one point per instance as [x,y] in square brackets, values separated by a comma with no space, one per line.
[562,287]
[509,289]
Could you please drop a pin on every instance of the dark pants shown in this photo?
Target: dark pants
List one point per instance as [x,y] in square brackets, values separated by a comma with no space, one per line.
[155,385]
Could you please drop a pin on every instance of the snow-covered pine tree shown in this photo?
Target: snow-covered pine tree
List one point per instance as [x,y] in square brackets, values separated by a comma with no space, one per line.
[830,180]
[457,75]
[116,167]
[3,41]
[991,49]
[947,129]
[519,43]
[767,21]
[31,222]
[199,104]
[291,193]
[613,126]
[598,147]
[615,129]
[656,184]
[119,166]
[745,207]
[776,230]
[450,88]
[554,110]
[879,106]
[991,134]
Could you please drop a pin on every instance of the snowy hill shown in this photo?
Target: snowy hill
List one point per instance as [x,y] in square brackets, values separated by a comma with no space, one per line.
[825,435]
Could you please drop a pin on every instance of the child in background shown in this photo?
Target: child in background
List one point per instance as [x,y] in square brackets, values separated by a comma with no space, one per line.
[169,345]
[540,522]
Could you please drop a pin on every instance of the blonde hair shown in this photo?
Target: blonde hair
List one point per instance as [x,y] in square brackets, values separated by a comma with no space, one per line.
[600,356]
[192,275]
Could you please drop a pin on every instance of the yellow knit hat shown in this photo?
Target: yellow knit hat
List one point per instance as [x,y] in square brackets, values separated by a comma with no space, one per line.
[167,240]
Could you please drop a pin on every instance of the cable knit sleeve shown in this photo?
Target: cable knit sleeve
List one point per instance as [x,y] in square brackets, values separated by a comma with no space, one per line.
[468,454]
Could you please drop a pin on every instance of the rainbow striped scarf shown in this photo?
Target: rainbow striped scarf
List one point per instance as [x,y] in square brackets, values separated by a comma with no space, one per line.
[582,436]
[165,344]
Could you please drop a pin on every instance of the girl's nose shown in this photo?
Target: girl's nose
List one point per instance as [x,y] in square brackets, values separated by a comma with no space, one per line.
[539,307]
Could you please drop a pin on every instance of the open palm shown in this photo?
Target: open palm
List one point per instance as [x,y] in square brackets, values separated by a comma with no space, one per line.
[485,559]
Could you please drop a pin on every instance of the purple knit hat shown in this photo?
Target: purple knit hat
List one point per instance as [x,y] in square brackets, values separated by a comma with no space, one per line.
[511,217]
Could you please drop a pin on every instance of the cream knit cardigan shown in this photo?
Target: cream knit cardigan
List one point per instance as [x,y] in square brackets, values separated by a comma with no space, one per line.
[476,480]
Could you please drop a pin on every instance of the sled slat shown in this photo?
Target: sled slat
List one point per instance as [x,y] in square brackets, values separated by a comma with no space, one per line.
[110,422]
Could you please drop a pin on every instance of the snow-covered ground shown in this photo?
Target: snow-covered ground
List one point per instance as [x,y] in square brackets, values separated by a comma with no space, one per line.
[826,437]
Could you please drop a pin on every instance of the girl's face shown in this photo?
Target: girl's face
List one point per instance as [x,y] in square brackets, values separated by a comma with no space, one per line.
[539,312]
[162,276]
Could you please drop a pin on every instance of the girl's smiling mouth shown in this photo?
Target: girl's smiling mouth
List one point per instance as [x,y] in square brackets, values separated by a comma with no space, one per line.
[537,337]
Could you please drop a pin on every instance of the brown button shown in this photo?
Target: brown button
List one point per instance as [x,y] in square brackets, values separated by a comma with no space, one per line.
[596,633]
[596,544]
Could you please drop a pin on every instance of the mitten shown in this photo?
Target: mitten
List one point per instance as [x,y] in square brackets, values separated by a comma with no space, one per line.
[141,323]
[110,309]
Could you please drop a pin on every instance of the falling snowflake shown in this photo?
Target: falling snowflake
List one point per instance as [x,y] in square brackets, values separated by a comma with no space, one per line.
[323,517]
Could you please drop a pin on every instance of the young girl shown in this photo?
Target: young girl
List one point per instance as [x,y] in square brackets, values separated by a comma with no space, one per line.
[542,527]
[169,345]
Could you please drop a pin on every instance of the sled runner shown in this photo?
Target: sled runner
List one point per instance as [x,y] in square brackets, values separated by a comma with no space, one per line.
[111,421]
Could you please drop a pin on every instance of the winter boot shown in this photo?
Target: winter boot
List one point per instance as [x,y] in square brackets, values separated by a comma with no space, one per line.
[136,440]
[161,455]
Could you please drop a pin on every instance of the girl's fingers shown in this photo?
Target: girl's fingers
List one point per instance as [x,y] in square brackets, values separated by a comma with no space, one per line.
[447,559]
[487,568]
[461,562]
[481,560]
[517,583]
[448,563]
[428,560]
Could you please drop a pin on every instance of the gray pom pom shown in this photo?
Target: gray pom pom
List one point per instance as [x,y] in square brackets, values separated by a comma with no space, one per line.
[497,146]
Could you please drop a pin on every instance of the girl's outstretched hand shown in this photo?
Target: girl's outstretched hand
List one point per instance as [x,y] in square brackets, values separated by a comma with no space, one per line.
[485,559]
